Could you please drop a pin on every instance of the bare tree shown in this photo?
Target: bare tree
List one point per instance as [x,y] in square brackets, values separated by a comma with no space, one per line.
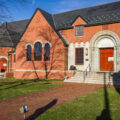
[56,51]
[5,10]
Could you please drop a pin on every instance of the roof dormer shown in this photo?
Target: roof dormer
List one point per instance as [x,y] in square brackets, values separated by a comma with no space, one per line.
[78,21]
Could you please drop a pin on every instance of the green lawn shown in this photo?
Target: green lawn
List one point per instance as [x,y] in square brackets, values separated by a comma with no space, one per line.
[89,107]
[11,87]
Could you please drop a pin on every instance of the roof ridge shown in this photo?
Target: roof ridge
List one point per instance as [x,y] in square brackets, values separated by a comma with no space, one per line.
[53,21]
[10,37]
[87,7]
[18,21]
[44,11]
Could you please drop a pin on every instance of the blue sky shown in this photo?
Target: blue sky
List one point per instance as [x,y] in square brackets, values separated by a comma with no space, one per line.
[26,10]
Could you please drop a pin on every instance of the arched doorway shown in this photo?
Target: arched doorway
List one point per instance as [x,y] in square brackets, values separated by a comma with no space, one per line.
[104,52]
[3,65]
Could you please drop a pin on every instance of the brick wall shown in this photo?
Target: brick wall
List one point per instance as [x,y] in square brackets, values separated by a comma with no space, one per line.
[4,54]
[40,30]
[89,32]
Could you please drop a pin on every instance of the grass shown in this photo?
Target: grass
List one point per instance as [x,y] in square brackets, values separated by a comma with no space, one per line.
[12,79]
[10,88]
[89,107]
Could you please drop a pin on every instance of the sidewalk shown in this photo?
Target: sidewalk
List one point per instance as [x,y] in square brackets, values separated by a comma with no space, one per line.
[41,101]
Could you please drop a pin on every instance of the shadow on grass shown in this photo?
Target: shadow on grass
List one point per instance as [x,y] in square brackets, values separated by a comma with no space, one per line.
[20,84]
[12,84]
[106,114]
[39,111]
[8,85]
[116,81]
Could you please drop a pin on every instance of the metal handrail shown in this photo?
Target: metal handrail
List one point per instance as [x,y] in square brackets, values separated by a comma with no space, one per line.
[85,72]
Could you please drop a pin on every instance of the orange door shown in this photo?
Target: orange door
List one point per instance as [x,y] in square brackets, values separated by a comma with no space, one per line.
[3,65]
[106,59]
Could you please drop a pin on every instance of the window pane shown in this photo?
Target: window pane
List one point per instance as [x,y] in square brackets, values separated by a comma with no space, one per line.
[79,55]
[47,52]
[29,53]
[79,30]
[38,51]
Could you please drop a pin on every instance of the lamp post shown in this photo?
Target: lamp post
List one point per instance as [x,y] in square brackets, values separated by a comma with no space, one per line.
[24,110]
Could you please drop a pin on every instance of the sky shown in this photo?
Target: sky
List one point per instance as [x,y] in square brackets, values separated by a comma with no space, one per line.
[20,11]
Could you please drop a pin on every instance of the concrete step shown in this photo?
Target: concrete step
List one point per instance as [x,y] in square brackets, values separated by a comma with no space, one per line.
[93,77]
[98,79]
[75,81]
[1,75]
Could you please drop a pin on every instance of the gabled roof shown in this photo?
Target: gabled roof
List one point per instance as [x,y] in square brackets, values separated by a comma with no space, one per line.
[96,15]
[10,33]
[50,19]
[5,40]
[101,14]
[18,26]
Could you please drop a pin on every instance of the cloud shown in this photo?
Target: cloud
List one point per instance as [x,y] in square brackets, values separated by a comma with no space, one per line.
[65,5]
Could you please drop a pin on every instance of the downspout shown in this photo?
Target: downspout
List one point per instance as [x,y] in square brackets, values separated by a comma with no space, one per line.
[67,59]
[8,62]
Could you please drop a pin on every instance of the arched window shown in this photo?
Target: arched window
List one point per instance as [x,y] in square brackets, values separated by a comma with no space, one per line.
[29,53]
[47,52]
[38,51]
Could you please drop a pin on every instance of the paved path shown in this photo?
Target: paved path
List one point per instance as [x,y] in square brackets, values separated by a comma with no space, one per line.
[41,101]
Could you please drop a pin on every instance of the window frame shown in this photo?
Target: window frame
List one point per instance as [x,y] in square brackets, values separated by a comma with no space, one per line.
[27,53]
[45,52]
[82,63]
[79,30]
[39,51]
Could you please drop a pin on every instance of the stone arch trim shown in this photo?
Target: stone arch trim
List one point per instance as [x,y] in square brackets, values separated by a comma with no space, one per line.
[28,44]
[39,42]
[48,43]
[103,34]
[94,50]
[4,57]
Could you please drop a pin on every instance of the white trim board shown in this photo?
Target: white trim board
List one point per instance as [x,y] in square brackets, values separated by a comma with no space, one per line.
[29,70]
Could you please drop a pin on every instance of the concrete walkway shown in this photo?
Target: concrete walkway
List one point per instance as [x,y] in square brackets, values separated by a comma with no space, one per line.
[39,102]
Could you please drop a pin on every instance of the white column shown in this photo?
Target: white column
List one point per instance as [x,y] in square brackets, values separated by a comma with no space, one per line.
[71,55]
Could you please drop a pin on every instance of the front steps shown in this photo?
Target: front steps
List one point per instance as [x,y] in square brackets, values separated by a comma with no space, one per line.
[108,78]
[78,78]
[1,75]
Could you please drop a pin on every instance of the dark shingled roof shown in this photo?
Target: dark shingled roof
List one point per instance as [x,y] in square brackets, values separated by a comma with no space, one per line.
[96,15]
[11,32]
[101,14]
[17,26]
[48,17]
[50,20]
[5,40]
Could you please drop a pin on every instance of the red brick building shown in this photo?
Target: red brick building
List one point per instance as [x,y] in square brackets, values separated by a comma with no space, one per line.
[82,43]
